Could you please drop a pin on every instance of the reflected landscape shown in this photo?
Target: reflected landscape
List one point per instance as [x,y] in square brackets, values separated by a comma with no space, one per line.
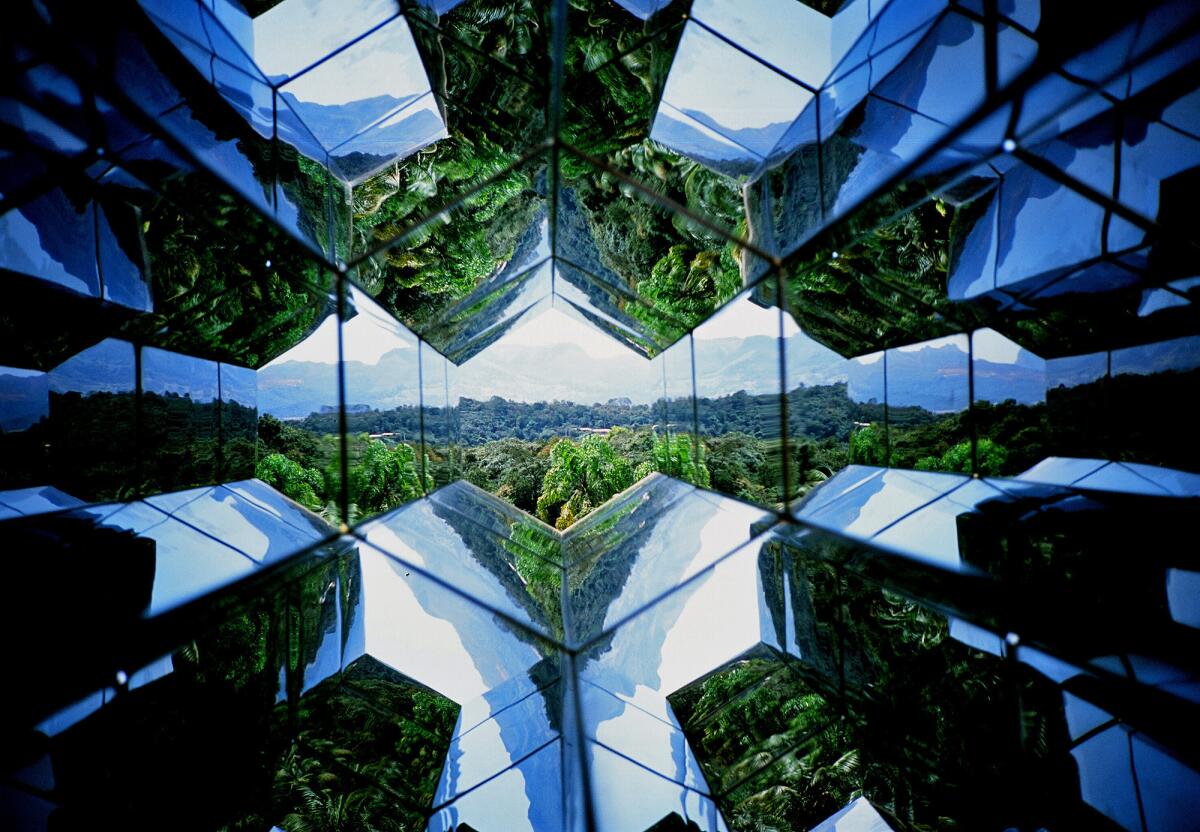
[600,415]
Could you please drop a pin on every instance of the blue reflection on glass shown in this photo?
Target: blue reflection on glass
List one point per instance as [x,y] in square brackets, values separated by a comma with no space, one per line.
[37,500]
[52,238]
[879,501]
[857,816]
[170,373]
[503,802]
[24,398]
[107,367]
[655,743]
[646,798]
[244,526]
[931,533]
[187,564]
[467,558]
[644,8]
[1106,776]
[122,276]
[484,750]
[739,98]
[438,638]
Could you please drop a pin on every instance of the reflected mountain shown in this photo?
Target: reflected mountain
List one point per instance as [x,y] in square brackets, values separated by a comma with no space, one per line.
[727,365]
[704,147]
[24,400]
[520,372]
[332,124]
[728,156]
[295,389]
[914,376]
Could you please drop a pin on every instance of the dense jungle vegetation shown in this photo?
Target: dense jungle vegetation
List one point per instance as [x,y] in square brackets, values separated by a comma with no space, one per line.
[559,460]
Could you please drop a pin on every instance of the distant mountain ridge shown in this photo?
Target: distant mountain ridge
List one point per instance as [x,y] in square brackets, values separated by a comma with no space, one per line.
[756,139]
[297,388]
[739,154]
[934,379]
[24,400]
[327,121]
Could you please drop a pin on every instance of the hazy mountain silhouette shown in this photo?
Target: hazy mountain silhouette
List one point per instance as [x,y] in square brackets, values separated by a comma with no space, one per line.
[23,400]
[332,124]
[936,379]
[297,388]
[685,139]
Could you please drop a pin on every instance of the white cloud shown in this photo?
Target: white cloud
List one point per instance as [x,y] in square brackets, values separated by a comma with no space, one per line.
[367,336]
[743,318]
[992,346]
[553,327]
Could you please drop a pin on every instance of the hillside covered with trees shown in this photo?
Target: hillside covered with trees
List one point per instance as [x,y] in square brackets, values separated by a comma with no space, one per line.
[559,460]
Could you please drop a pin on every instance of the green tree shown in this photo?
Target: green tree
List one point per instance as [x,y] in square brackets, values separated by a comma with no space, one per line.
[385,477]
[304,485]
[510,469]
[535,555]
[672,455]
[582,475]
[867,446]
[275,436]
[990,459]
[636,445]
[687,284]
[739,466]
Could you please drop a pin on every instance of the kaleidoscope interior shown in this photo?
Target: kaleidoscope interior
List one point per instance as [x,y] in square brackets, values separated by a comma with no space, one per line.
[600,415]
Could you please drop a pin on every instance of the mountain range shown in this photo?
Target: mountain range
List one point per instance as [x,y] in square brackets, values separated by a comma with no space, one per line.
[740,153]
[933,378]
[295,389]
[332,124]
[23,400]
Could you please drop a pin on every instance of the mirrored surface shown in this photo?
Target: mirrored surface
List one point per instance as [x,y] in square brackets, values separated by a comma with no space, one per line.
[599,415]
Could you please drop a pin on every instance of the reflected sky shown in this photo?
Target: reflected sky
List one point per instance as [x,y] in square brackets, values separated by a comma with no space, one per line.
[463,556]
[1105,475]
[647,797]
[347,77]
[453,645]
[745,101]
[504,802]
[42,238]
[858,816]
[383,64]
[876,503]
[191,542]
[36,500]
[292,35]
[369,335]
[729,107]
[790,36]
[540,359]
[690,535]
